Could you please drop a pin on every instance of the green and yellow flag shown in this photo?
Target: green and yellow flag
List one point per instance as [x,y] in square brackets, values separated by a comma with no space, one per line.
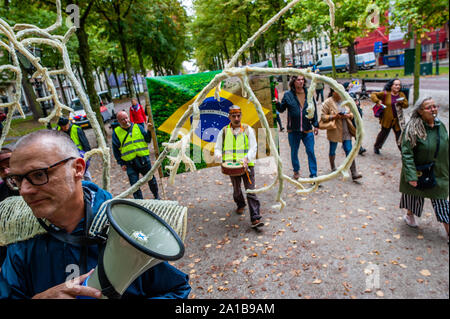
[213,117]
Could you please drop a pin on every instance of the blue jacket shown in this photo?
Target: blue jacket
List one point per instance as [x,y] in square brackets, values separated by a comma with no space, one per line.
[37,264]
[291,103]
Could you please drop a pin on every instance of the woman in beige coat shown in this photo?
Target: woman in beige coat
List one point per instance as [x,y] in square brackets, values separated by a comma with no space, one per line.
[338,119]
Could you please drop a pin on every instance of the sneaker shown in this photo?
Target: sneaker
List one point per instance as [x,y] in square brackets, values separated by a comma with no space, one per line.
[362,150]
[296,175]
[257,223]
[409,220]
[240,210]
[376,151]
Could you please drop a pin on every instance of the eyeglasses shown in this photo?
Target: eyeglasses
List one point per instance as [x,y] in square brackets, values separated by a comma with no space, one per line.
[36,177]
[430,107]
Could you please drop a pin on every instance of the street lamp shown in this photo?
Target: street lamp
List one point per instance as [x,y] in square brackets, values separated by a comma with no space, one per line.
[300,52]
[436,46]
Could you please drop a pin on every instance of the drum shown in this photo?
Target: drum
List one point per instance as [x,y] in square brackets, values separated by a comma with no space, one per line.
[233,169]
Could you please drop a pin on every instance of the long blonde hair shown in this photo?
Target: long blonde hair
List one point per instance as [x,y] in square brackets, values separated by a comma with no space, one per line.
[415,128]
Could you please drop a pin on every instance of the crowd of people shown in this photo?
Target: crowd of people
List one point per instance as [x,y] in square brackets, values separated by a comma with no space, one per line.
[48,170]
[422,141]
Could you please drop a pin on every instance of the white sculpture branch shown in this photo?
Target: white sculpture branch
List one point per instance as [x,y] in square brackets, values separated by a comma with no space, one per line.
[45,38]
[177,148]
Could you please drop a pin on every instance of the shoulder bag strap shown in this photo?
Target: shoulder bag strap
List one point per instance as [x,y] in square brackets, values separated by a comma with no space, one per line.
[438,144]
[79,241]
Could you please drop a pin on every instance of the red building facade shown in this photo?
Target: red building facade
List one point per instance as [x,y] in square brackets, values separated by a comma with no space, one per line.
[393,45]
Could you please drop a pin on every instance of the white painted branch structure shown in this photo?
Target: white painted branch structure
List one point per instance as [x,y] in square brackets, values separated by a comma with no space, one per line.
[181,145]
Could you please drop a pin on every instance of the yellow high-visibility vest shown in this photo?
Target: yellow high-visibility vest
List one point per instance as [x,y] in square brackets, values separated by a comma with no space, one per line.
[236,147]
[74,135]
[133,144]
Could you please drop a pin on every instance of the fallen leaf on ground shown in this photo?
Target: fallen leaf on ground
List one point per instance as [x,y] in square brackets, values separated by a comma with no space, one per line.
[425,272]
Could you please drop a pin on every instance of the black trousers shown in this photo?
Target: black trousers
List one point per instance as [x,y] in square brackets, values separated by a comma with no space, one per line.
[252,199]
[383,134]
[141,165]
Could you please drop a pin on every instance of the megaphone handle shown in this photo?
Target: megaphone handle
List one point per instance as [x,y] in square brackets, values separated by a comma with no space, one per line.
[108,289]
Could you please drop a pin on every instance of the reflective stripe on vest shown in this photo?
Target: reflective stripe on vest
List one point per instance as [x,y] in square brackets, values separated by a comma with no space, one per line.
[134,144]
[235,148]
[74,135]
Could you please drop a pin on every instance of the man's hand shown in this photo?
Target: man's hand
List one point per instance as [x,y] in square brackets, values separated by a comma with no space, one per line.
[316,131]
[124,168]
[70,290]
[347,115]
[149,126]
[245,162]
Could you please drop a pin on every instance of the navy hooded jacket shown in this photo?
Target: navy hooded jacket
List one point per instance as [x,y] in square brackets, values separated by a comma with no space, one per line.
[291,103]
[42,262]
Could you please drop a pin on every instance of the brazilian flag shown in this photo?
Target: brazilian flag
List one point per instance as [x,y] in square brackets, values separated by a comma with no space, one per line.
[171,96]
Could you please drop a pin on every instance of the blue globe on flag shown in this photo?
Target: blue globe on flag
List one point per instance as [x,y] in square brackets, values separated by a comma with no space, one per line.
[213,117]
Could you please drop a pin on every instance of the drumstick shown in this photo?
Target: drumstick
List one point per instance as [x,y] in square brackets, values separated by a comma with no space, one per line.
[248,176]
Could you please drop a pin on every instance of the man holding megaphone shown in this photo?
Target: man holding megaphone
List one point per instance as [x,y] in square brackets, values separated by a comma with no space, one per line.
[48,172]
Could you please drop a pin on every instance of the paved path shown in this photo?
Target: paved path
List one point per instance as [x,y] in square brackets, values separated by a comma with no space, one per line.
[434,86]
[346,240]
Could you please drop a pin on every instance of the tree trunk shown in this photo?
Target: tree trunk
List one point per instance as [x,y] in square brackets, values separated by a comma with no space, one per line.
[248,34]
[84,55]
[417,57]
[317,49]
[63,92]
[333,65]
[241,43]
[333,60]
[114,71]
[35,107]
[353,67]
[262,39]
[80,77]
[292,52]
[283,64]
[123,45]
[107,80]
[148,107]
[225,49]
[100,86]
[275,50]
[126,79]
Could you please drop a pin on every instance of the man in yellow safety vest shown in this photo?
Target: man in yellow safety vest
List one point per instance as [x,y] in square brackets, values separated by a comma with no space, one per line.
[77,135]
[236,142]
[130,149]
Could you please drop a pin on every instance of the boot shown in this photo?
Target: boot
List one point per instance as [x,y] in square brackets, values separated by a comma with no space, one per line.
[332,164]
[154,188]
[355,174]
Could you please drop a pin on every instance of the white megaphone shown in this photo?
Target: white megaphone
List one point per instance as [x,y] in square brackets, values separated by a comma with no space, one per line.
[138,239]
